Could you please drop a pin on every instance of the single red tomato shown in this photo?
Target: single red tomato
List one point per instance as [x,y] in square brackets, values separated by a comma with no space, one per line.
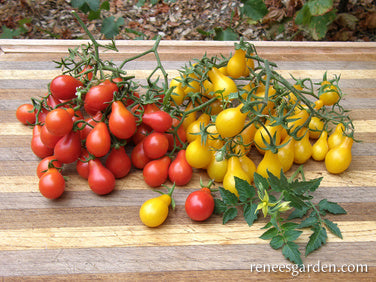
[63,87]
[87,73]
[98,98]
[101,180]
[59,122]
[199,205]
[89,124]
[138,157]
[155,172]
[118,162]
[37,146]
[52,184]
[98,141]
[26,114]
[180,172]
[142,131]
[48,138]
[68,148]
[122,122]
[155,145]
[46,163]
[159,121]
[82,165]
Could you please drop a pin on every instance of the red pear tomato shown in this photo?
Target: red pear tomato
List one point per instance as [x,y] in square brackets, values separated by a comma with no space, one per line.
[82,166]
[138,157]
[63,87]
[37,146]
[122,122]
[52,184]
[59,122]
[101,180]
[98,141]
[118,162]
[43,165]
[155,145]
[199,205]
[159,121]
[26,114]
[155,172]
[180,172]
[68,148]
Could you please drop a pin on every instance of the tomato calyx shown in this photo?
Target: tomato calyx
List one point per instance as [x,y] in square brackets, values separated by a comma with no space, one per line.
[169,193]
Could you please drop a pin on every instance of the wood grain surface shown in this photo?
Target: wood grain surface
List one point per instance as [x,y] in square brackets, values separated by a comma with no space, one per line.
[83,236]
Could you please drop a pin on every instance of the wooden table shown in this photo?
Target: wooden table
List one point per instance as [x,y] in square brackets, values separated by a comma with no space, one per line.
[85,236]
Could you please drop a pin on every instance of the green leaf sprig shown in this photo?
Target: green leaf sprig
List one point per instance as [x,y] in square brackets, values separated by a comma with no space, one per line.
[274,196]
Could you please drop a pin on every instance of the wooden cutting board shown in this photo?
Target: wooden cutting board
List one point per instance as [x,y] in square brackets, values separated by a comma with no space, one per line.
[85,236]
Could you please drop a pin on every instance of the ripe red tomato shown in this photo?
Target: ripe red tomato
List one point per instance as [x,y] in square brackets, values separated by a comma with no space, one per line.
[159,121]
[142,131]
[122,122]
[37,146]
[52,184]
[199,205]
[63,87]
[180,172]
[59,122]
[138,157]
[90,121]
[26,114]
[68,148]
[98,141]
[48,138]
[118,162]
[155,145]
[43,165]
[82,166]
[155,172]
[101,180]
[98,98]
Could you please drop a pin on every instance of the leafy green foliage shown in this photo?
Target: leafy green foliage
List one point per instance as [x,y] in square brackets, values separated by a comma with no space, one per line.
[110,25]
[274,197]
[8,33]
[315,16]
[254,9]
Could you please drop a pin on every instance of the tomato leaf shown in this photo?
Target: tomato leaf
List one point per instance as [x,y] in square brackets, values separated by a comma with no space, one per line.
[269,234]
[260,182]
[299,213]
[317,239]
[219,206]
[276,242]
[292,235]
[331,207]
[245,190]
[228,197]
[229,214]
[291,251]
[300,187]
[254,9]
[278,184]
[333,227]
[250,214]
[308,222]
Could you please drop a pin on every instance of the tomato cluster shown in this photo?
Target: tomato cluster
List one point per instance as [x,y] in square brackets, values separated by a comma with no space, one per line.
[90,123]
[286,123]
[210,118]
